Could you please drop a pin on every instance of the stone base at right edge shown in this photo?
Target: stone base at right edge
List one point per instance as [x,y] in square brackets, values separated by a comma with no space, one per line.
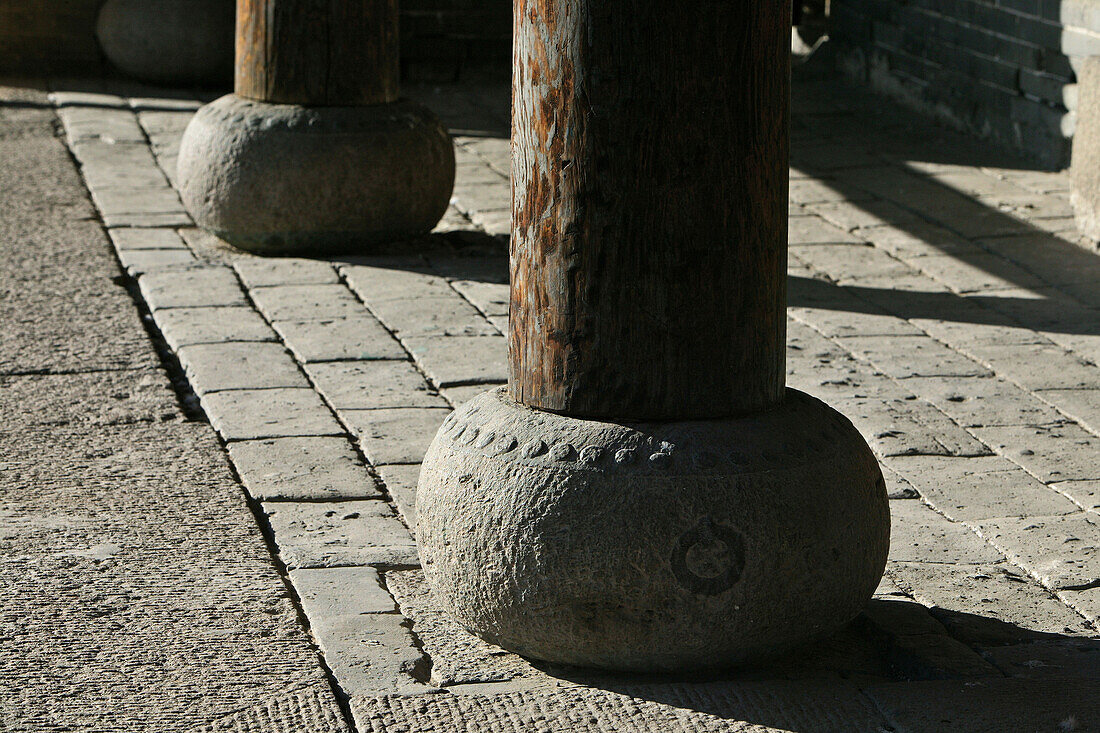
[656,547]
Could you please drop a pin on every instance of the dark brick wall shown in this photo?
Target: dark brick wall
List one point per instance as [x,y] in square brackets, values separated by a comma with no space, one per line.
[1001,68]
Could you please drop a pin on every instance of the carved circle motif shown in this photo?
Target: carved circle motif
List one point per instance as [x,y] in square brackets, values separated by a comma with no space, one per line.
[709,558]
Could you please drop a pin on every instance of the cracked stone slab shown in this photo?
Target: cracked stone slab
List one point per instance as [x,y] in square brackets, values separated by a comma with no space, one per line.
[350,385]
[197,287]
[306,302]
[233,365]
[335,534]
[631,707]
[340,339]
[982,487]
[395,435]
[251,414]
[1050,453]
[461,360]
[989,604]
[918,534]
[189,326]
[1063,552]
[302,469]
[984,402]
[328,593]
[400,480]
[1037,366]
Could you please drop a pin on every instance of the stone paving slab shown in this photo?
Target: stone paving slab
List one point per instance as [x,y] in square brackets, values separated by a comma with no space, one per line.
[337,534]
[306,302]
[251,414]
[340,339]
[397,434]
[193,288]
[302,469]
[366,385]
[1041,544]
[1050,453]
[238,365]
[190,326]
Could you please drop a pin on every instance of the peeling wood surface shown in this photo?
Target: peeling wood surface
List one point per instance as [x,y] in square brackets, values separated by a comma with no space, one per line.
[317,52]
[650,166]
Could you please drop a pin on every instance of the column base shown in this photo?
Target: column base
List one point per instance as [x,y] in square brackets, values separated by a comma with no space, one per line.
[289,179]
[169,41]
[652,547]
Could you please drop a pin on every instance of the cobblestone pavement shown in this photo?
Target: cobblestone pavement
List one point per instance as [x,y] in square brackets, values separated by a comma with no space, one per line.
[938,298]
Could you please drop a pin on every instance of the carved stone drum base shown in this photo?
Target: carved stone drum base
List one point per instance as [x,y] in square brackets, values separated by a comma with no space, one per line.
[651,547]
[292,179]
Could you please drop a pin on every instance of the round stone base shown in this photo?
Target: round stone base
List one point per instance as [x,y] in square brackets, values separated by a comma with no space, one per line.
[169,41]
[651,547]
[288,179]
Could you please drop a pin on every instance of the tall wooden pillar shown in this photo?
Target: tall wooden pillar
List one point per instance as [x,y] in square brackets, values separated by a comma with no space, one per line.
[645,494]
[316,152]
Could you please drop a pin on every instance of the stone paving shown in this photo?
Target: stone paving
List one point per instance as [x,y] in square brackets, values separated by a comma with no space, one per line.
[939,298]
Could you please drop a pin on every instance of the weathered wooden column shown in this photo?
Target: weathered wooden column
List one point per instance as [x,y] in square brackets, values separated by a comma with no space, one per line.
[316,152]
[645,494]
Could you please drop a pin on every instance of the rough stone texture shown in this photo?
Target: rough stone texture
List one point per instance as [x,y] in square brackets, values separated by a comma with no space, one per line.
[169,41]
[194,288]
[562,539]
[1062,552]
[234,365]
[631,707]
[251,414]
[335,534]
[395,435]
[283,178]
[371,654]
[921,535]
[189,326]
[1085,167]
[460,360]
[349,385]
[400,480]
[306,302]
[309,707]
[302,469]
[340,339]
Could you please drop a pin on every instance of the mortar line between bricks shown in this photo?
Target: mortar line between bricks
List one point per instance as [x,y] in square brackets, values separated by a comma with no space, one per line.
[170,362]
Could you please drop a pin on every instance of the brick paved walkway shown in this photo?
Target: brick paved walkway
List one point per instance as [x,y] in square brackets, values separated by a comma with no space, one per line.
[937,298]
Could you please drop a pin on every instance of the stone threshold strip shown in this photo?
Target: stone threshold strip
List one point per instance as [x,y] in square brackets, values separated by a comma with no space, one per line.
[331,523]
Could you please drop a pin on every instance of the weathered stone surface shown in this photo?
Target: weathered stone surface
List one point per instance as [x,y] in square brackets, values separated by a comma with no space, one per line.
[628,707]
[903,425]
[918,356]
[251,414]
[302,469]
[918,534]
[1037,366]
[1050,453]
[971,489]
[259,272]
[310,707]
[401,278]
[981,402]
[285,178]
[976,272]
[125,238]
[395,435]
[340,339]
[1085,167]
[197,287]
[433,316]
[372,654]
[340,533]
[350,385]
[459,360]
[1085,493]
[562,539]
[189,326]
[169,41]
[329,593]
[1083,405]
[307,302]
[400,480]
[235,365]
[139,261]
[1063,552]
[1054,660]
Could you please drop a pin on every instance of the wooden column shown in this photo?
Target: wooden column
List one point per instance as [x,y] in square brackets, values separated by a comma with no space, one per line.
[317,52]
[650,166]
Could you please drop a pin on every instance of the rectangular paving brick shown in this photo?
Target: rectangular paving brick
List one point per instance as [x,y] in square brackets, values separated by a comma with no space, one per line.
[366,385]
[302,469]
[813,230]
[1050,453]
[339,533]
[233,365]
[187,326]
[269,413]
[912,356]
[138,261]
[896,427]
[400,279]
[456,360]
[306,302]
[984,401]
[126,238]
[971,489]
[340,339]
[329,593]
[395,435]
[918,534]
[260,272]
[196,287]
[1037,366]
[400,480]
[448,315]
[1083,405]
[1085,493]
[976,272]
[1062,552]
[490,298]
[372,654]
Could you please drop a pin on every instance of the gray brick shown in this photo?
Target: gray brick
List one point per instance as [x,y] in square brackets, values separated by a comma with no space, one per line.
[338,534]
[330,593]
[339,339]
[138,261]
[306,302]
[400,480]
[187,326]
[490,298]
[976,273]
[197,287]
[258,272]
[372,654]
[918,534]
[915,356]
[812,230]
[1085,493]
[1062,552]
[126,238]
[395,435]
[983,401]
[1050,453]
[403,279]
[269,413]
[228,366]
[302,469]
[982,487]
[458,360]
[351,385]
[448,315]
[1037,366]
[1083,405]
